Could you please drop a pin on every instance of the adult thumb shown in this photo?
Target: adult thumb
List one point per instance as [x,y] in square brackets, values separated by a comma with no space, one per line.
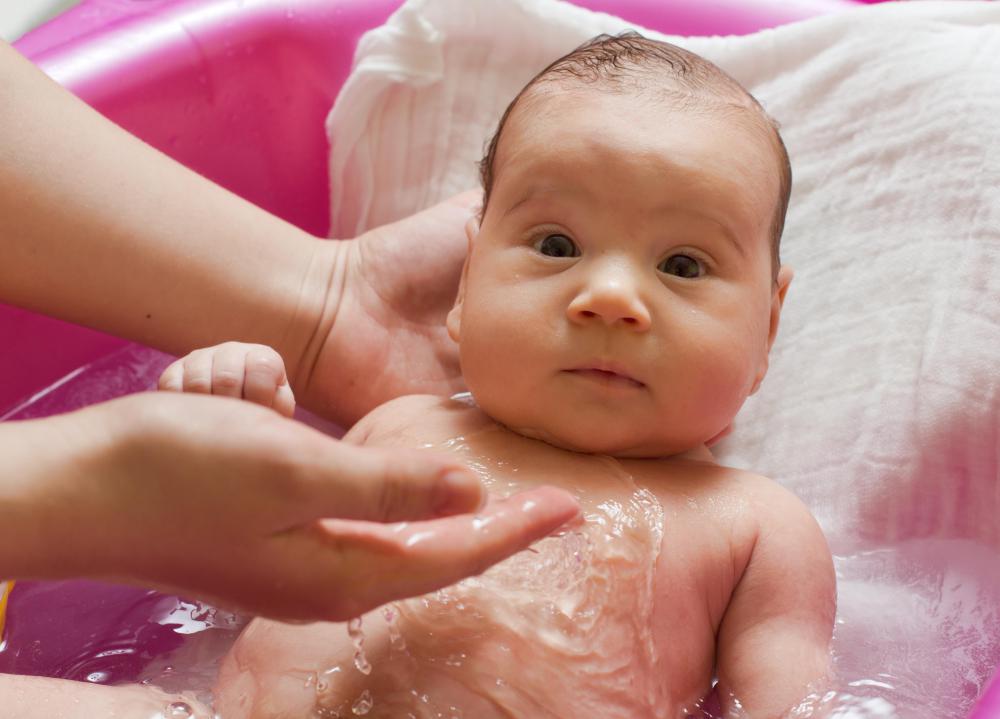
[392,485]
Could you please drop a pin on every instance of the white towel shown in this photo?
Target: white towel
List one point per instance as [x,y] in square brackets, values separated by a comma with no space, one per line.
[882,406]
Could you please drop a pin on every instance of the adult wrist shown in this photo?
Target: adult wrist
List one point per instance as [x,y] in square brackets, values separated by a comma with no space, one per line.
[48,467]
[321,296]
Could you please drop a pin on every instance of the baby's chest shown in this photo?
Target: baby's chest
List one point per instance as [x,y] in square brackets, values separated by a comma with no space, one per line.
[651,542]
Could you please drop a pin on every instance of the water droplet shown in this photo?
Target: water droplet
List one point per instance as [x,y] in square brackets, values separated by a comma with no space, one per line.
[203,612]
[97,677]
[179,710]
[396,641]
[364,703]
[357,636]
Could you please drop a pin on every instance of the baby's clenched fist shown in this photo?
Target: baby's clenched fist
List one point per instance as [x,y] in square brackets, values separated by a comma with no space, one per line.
[233,369]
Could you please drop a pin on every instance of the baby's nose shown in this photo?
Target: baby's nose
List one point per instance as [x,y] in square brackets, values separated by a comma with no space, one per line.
[612,298]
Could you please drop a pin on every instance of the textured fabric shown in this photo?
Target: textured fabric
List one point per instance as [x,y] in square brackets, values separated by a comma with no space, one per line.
[882,406]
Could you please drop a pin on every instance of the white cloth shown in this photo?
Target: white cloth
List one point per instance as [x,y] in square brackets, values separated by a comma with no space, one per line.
[882,406]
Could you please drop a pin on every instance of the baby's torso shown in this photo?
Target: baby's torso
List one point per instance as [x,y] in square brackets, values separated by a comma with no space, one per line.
[616,616]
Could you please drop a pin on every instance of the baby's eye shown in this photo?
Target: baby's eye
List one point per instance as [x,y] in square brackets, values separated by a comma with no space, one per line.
[557,246]
[681,266]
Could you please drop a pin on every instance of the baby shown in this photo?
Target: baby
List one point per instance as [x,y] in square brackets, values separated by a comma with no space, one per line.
[621,294]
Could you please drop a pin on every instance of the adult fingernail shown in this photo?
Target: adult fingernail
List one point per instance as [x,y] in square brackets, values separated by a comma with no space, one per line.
[458,492]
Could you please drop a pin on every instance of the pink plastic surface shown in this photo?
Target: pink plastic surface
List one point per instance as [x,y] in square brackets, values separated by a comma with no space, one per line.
[237,90]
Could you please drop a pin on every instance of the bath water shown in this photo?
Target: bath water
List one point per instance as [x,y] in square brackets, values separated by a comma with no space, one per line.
[917,633]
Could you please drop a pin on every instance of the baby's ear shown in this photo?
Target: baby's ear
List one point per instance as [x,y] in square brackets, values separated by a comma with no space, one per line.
[454,319]
[784,279]
[781,284]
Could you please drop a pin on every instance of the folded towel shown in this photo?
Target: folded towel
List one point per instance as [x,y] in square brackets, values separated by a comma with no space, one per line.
[882,406]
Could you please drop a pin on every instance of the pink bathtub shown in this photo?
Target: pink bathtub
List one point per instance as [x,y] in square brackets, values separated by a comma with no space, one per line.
[237,90]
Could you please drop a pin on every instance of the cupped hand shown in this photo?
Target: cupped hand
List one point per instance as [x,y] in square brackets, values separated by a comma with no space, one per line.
[229,502]
[386,336]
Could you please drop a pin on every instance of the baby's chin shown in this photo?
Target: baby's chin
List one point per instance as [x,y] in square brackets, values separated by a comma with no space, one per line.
[600,443]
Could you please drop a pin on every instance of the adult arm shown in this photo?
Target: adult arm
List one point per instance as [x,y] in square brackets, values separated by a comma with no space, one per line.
[229,502]
[98,228]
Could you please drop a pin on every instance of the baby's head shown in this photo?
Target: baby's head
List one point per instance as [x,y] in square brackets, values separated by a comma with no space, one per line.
[623,286]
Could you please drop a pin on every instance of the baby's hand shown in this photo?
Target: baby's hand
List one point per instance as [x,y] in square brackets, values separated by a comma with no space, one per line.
[233,369]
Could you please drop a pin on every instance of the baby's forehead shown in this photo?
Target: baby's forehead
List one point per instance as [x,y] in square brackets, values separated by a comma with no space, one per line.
[555,116]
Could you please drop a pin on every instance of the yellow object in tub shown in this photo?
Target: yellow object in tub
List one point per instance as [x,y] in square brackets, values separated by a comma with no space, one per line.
[5,588]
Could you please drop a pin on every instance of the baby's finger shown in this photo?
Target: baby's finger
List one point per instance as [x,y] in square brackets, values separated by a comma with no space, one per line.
[172,379]
[284,400]
[265,375]
[228,368]
[198,372]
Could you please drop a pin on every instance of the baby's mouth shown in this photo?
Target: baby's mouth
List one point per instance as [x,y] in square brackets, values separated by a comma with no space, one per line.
[606,376]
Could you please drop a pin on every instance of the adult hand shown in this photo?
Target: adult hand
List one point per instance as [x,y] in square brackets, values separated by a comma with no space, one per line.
[229,502]
[357,322]
[382,333]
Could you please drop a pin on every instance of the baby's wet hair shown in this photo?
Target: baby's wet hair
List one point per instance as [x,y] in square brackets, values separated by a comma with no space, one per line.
[632,63]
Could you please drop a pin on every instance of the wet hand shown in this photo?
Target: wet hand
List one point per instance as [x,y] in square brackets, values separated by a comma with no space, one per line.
[233,504]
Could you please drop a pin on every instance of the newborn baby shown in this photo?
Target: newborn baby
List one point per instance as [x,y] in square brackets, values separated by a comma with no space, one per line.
[620,297]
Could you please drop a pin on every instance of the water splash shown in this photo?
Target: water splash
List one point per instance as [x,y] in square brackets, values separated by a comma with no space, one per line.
[396,641]
[357,636]
[364,704]
[179,710]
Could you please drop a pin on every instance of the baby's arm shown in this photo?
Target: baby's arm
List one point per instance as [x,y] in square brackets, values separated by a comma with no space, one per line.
[233,369]
[774,642]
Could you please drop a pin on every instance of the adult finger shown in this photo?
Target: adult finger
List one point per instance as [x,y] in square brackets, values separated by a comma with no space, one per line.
[405,560]
[389,485]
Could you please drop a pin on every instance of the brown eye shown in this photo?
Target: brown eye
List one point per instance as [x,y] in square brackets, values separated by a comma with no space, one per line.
[557,246]
[681,266]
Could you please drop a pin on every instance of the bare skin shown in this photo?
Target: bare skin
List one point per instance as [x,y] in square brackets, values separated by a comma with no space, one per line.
[728,537]
[332,310]
[603,352]
[84,208]
[354,326]
[618,300]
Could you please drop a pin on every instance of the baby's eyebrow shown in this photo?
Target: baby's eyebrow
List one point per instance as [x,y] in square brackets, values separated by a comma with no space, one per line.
[539,191]
[510,210]
[725,230]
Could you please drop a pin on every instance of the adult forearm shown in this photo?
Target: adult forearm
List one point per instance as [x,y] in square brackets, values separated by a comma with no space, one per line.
[39,537]
[98,228]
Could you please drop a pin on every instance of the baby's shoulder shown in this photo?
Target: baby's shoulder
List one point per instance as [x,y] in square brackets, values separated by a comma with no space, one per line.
[777,521]
[415,420]
[769,500]
[751,502]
